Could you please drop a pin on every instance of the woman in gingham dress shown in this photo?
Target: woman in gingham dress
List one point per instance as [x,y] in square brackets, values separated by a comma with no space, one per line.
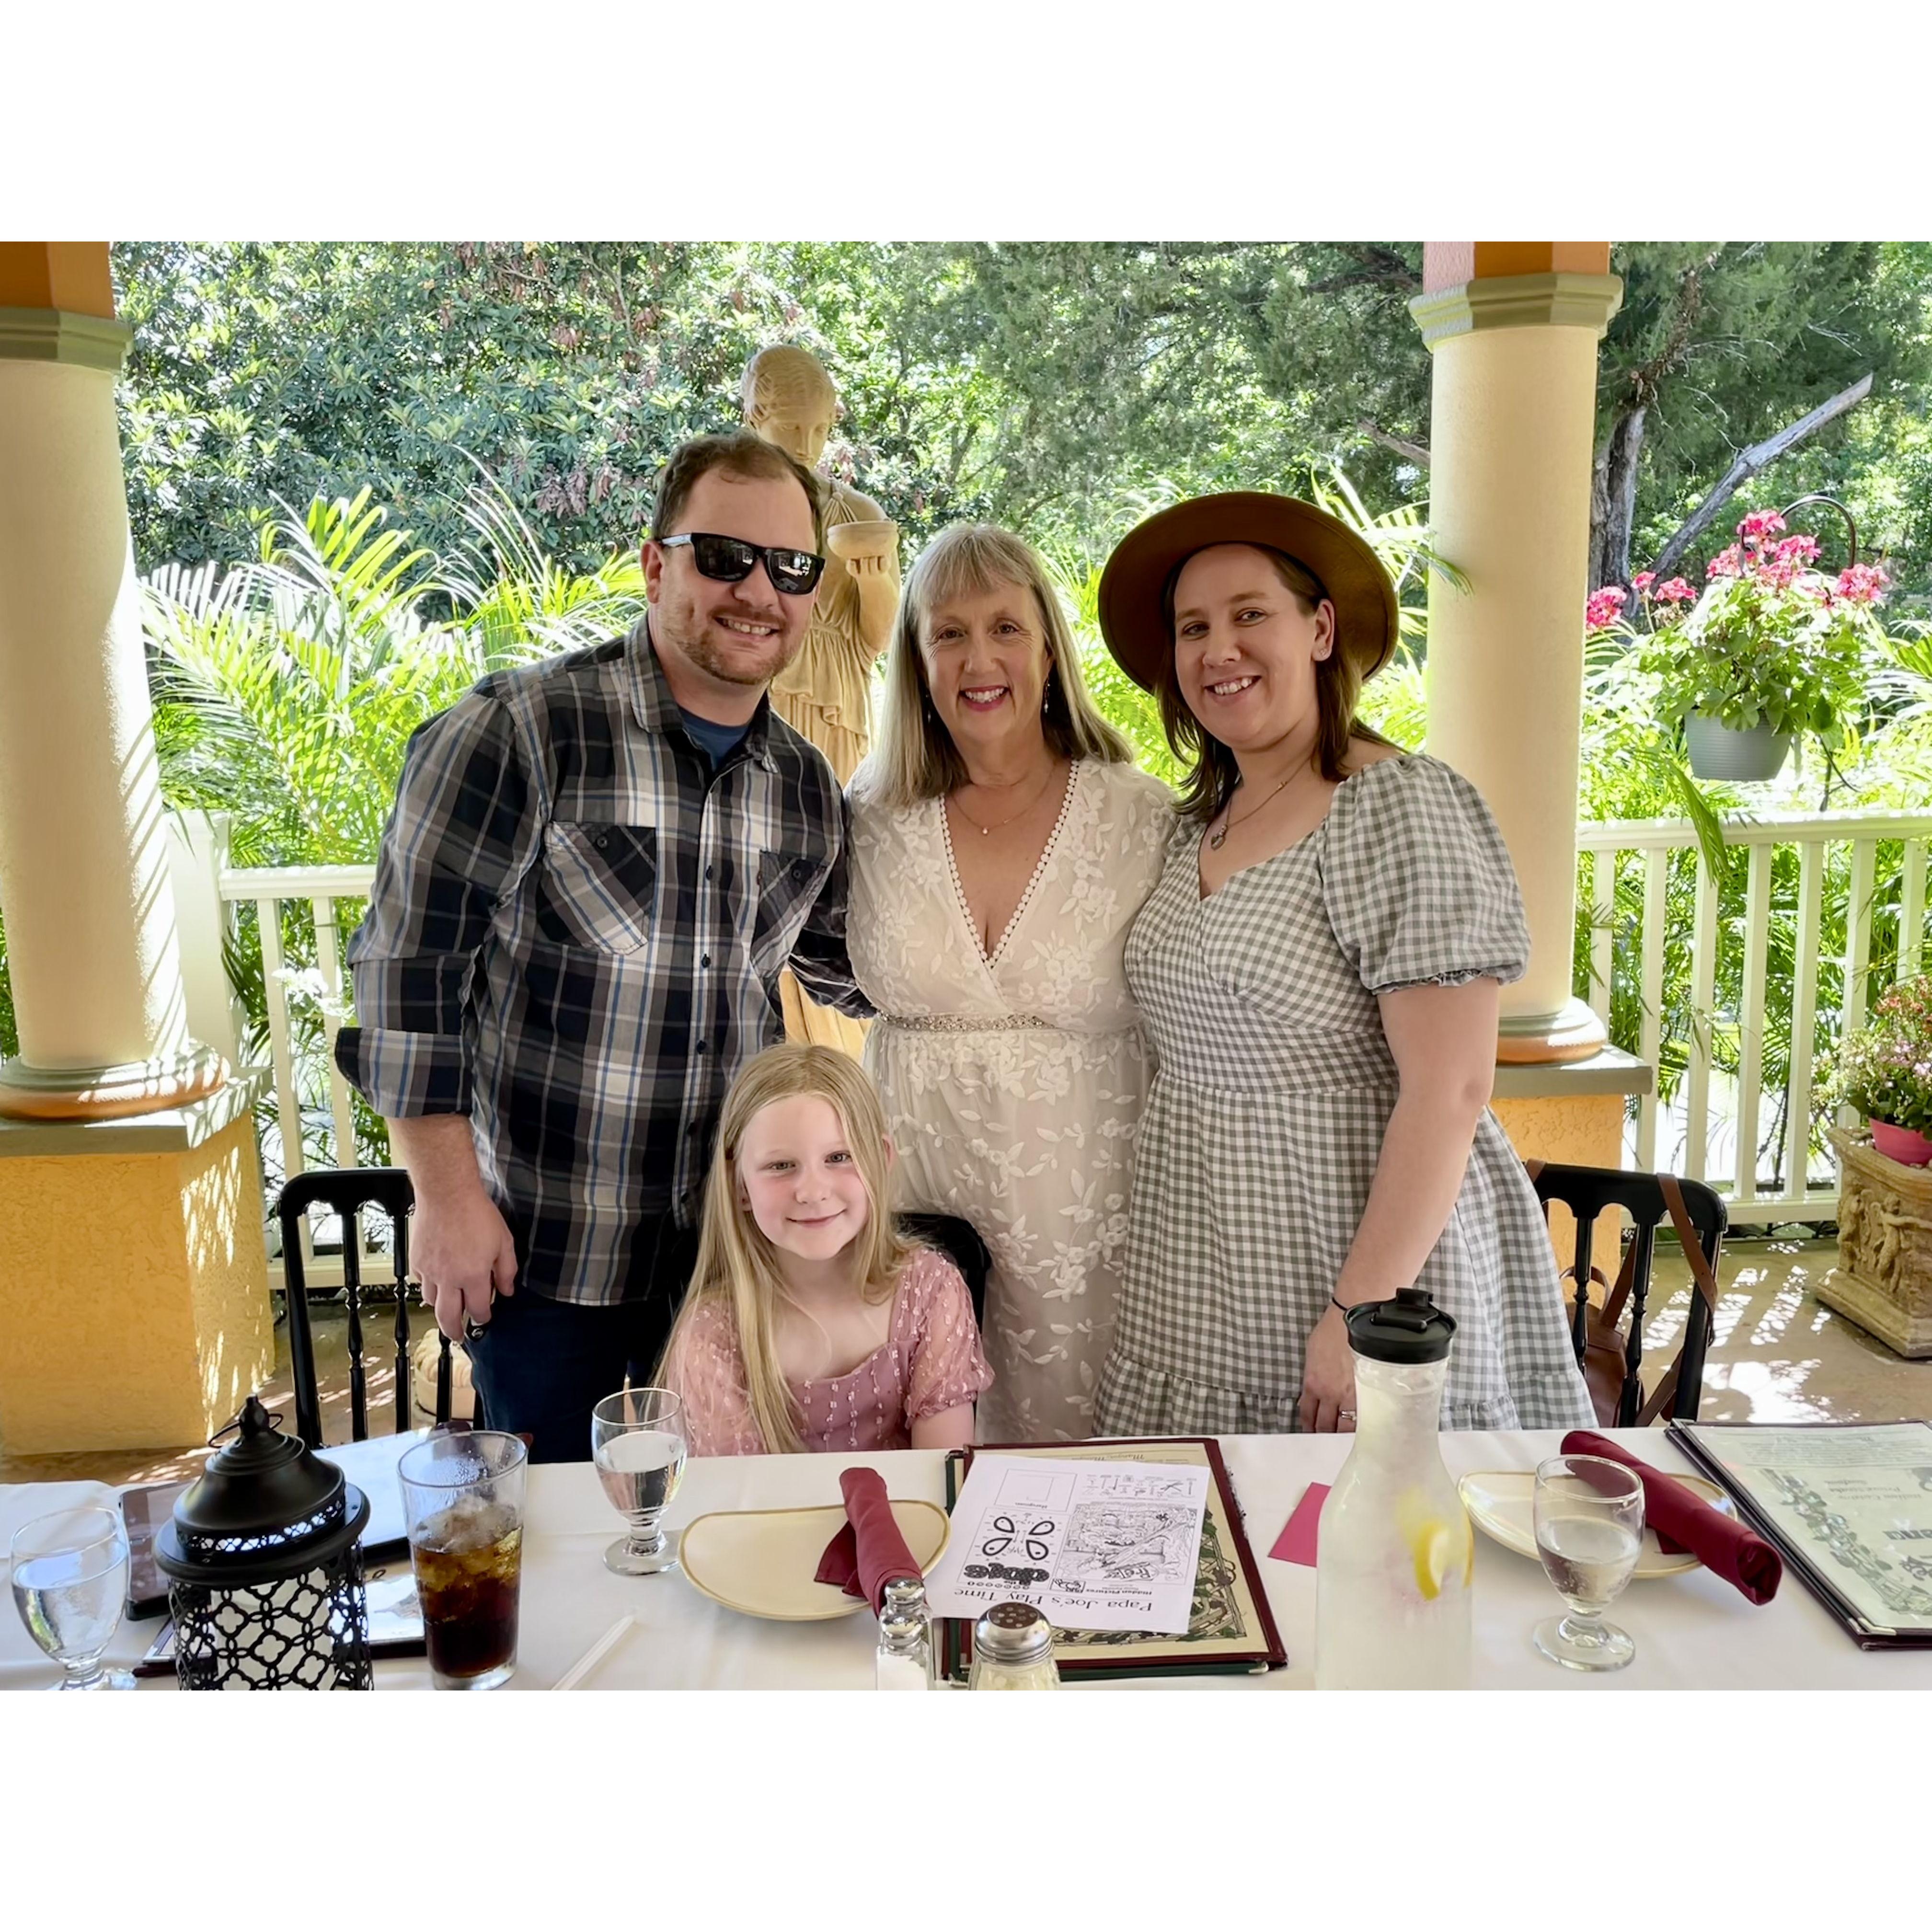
[1319,968]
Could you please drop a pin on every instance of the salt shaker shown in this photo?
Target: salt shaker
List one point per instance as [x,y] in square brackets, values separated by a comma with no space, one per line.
[903,1660]
[1012,1650]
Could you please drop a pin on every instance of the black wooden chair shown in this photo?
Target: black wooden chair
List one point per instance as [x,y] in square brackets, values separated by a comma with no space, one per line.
[348,1190]
[959,1241]
[1588,1192]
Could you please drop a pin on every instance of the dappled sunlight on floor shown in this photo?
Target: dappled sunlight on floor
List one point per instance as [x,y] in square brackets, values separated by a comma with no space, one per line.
[1778,1354]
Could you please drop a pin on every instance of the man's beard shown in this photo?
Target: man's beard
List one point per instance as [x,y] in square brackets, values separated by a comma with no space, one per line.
[693,637]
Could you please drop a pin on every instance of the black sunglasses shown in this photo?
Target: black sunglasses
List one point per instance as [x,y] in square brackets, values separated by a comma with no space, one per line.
[731,560]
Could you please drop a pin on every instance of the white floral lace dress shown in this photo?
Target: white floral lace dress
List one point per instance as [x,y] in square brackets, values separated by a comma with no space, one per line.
[1013,1085]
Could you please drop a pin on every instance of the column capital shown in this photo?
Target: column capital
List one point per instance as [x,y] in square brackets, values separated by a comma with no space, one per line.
[60,335]
[1557,299]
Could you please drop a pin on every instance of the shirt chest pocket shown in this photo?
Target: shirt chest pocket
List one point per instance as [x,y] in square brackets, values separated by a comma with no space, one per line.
[788,883]
[596,885]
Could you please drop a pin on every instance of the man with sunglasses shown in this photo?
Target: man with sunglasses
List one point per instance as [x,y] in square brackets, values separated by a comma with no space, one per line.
[597,869]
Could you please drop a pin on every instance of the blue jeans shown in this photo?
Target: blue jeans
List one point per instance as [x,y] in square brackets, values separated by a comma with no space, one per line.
[540,1366]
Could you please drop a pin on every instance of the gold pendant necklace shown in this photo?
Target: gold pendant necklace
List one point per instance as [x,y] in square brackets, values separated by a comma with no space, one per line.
[986,831]
[1217,839]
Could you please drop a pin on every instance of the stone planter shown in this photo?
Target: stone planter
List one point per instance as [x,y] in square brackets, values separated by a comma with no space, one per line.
[1883,1280]
[1742,757]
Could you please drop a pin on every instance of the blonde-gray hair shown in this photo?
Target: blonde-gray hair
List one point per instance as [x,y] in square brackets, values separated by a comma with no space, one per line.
[915,757]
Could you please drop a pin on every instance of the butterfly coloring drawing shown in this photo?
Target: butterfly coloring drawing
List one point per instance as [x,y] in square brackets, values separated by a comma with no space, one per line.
[1032,1540]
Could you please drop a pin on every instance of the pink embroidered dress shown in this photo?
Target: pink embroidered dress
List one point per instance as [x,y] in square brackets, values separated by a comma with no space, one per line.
[931,1361]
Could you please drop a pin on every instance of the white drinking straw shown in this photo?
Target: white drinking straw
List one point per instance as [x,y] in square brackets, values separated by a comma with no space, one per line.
[594,1655]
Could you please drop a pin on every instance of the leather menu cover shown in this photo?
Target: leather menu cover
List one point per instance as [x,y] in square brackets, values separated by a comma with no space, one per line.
[1232,1629]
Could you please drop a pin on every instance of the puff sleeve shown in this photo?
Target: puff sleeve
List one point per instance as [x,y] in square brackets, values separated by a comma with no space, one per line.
[949,1366]
[704,1370]
[1418,882]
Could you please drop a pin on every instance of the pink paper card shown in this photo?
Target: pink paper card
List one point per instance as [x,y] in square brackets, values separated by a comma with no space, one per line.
[1296,1542]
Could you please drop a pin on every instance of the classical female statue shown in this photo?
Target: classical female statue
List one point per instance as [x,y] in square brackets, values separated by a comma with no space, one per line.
[826,691]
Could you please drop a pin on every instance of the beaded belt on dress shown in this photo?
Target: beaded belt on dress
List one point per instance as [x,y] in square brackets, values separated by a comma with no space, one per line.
[968,1022]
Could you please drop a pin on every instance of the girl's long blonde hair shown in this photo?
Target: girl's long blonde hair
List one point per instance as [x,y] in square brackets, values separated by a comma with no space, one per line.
[737,1269]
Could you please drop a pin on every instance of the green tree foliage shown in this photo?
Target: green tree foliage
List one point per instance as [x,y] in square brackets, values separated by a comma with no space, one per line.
[1717,346]
[266,372]
[1062,388]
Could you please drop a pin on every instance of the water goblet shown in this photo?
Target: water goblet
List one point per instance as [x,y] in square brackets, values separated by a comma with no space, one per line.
[69,1577]
[637,1442]
[1589,1532]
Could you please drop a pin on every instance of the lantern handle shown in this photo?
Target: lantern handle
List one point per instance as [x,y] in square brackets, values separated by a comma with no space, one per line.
[263,1418]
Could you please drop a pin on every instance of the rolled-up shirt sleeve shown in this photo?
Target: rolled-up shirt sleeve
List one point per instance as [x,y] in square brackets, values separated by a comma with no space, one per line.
[465,828]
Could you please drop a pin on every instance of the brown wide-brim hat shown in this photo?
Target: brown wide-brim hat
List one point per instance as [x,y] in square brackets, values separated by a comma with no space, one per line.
[1135,617]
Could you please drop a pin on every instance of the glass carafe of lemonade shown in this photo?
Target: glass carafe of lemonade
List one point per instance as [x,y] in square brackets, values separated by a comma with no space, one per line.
[1394,1554]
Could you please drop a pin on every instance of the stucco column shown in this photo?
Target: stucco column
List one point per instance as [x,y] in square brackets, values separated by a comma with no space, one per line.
[1513,329]
[84,886]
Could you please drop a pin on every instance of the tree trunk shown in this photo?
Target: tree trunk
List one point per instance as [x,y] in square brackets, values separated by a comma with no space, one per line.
[1613,498]
[1748,463]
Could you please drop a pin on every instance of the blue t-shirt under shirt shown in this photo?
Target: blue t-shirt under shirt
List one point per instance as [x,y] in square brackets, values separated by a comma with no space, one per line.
[717,741]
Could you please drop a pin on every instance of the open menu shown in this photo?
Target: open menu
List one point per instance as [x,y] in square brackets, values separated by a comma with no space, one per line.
[1848,1505]
[1224,1624]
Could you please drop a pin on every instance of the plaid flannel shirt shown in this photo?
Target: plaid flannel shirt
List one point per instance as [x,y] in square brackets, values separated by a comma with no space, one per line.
[575,937]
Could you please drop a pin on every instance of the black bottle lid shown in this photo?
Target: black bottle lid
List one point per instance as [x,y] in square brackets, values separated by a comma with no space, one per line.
[1410,1328]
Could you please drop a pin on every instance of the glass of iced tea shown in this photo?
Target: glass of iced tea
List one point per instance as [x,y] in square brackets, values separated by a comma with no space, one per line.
[463,1494]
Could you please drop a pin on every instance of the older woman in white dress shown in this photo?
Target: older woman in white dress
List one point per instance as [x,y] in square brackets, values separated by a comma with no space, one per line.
[1003,842]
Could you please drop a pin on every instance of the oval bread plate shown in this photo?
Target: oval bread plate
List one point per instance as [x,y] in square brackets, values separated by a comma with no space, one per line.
[761,1562]
[1501,1504]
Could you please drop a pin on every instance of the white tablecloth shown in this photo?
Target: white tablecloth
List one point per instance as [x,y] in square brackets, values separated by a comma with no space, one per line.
[1693,1631]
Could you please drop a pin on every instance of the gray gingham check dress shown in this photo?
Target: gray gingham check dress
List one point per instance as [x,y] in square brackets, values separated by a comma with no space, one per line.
[1265,1121]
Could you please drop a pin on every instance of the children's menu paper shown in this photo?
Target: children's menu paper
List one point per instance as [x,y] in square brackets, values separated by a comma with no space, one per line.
[1092,1546]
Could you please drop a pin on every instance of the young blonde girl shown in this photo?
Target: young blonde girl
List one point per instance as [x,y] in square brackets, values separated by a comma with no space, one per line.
[811,1323]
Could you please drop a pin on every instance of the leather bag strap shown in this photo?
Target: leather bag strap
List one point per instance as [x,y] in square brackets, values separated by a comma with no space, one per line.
[1659,1398]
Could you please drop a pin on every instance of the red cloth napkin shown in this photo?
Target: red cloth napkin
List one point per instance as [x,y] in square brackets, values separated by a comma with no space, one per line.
[1683,1520]
[869,1552]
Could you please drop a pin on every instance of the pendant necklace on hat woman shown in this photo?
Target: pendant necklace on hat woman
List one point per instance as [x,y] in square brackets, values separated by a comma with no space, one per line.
[1228,821]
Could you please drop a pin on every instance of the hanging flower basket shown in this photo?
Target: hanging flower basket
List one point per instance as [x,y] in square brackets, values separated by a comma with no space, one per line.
[1738,758]
[1770,649]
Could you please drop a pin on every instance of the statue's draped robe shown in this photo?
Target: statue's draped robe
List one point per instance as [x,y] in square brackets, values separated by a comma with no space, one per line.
[825,692]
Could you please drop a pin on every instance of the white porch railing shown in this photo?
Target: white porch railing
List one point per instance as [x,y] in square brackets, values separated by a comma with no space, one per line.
[1712,1113]
[322,888]
[1802,1187]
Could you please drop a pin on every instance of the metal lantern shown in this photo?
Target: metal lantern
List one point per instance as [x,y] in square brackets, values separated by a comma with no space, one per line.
[265,1580]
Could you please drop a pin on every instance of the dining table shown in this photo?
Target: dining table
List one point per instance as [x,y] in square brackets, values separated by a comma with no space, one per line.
[1692,1630]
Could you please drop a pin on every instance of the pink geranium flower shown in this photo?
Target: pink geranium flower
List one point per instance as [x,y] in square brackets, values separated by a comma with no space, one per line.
[1863,584]
[1674,590]
[1642,580]
[1761,523]
[1726,563]
[1603,608]
[1797,549]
